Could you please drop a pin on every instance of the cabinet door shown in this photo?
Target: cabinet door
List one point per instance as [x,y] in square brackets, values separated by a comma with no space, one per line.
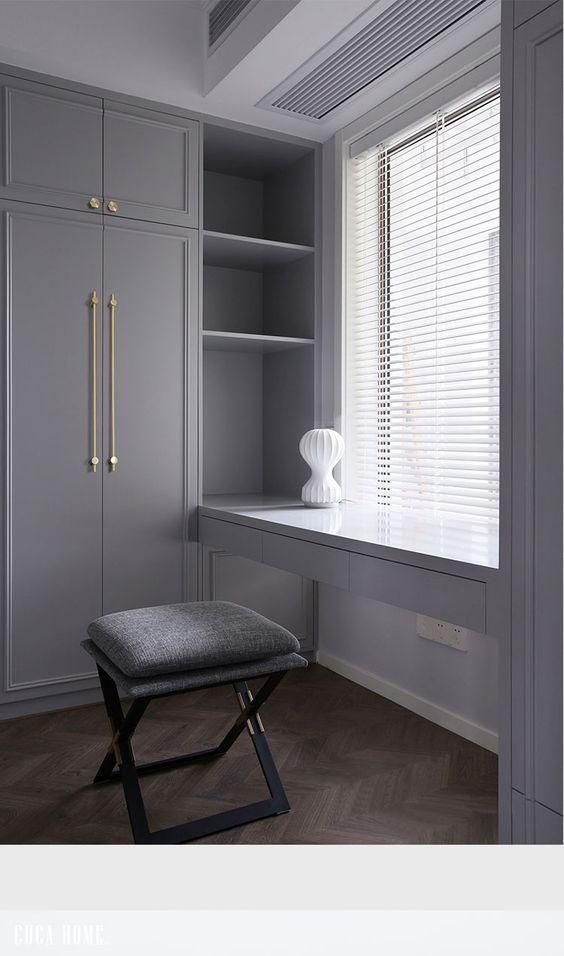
[150,165]
[51,145]
[151,271]
[537,411]
[51,264]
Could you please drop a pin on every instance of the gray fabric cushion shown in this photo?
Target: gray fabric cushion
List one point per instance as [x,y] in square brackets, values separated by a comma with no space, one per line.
[179,637]
[192,680]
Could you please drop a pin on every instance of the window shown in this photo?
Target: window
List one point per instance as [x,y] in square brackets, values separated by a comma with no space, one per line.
[421,415]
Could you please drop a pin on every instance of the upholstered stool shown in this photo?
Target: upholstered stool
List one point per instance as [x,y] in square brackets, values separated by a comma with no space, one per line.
[158,651]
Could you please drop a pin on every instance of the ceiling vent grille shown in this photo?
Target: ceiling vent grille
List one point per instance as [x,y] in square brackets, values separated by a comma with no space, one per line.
[398,32]
[223,17]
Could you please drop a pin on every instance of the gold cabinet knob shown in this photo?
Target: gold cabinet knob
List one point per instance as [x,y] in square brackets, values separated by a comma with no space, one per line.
[94,461]
[94,203]
[112,206]
[112,462]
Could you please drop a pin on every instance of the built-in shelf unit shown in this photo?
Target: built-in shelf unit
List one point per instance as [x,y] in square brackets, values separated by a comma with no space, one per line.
[259,277]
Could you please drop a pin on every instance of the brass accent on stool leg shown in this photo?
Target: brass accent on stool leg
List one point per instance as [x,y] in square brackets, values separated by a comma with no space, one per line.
[262,750]
[242,705]
[259,721]
[132,718]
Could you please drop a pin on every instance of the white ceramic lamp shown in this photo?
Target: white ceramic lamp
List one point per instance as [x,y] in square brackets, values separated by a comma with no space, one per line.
[322,448]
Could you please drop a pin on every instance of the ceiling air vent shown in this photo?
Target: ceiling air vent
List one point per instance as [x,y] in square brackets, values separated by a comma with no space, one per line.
[399,31]
[223,17]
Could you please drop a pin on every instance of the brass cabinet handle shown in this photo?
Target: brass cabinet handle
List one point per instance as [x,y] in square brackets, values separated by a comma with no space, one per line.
[94,203]
[112,206]
[93,303]
[113,460]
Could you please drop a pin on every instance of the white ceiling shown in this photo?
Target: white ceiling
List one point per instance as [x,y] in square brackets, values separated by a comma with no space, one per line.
[158,49]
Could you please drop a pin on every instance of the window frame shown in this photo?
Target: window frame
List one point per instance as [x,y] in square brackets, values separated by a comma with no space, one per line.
[395,116]
[381,159]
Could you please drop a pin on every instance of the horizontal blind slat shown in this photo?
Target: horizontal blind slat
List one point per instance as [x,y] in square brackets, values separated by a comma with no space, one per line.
[422,306]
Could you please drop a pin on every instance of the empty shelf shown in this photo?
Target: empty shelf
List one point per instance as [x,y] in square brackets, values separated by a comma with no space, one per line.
[245,252]
[250,342]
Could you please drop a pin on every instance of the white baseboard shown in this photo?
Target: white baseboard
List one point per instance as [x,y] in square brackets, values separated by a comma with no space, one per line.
[425,708]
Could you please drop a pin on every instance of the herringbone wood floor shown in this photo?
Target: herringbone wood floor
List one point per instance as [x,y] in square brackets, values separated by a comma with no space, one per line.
[357,769]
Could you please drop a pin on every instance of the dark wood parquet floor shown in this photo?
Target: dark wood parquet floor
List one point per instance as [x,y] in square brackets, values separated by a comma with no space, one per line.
[357,768]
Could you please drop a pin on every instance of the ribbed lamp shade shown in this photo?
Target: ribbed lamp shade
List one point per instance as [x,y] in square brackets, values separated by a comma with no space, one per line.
[322,448]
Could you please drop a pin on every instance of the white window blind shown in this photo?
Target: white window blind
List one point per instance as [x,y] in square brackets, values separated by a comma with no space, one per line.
[421,416]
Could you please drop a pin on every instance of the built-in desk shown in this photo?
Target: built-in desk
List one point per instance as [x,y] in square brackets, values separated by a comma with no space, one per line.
[442,568]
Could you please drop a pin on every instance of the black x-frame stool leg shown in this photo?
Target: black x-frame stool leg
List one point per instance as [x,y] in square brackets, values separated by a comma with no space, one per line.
[120,752]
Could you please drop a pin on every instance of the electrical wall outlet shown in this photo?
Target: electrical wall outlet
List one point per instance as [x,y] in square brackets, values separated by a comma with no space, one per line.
[443,633]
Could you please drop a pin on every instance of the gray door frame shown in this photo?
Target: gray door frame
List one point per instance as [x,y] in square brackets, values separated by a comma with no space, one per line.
[531,756]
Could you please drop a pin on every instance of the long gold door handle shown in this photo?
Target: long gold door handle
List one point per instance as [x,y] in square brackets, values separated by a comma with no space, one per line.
[94,461]
[113,460]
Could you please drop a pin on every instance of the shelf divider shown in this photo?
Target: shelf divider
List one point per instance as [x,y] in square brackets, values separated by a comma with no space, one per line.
[251,342]
[246,252]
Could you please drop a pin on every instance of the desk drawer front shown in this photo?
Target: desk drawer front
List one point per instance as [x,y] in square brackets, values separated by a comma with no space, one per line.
[329,565]
[443,596]
[234,538]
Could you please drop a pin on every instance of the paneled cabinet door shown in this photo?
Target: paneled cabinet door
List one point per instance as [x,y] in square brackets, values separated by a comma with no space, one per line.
[150,278]
[52,581]
[51,143]
[150,165]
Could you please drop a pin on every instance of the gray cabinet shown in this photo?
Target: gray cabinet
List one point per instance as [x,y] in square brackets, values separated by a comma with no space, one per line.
[51,144]
[77,151]
[51,262]
[150,165]
[151,271]
[84,380]
[536,640]
[81,541]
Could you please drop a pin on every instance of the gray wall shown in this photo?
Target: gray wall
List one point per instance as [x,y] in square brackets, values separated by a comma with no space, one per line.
[382,643]
[232,423]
